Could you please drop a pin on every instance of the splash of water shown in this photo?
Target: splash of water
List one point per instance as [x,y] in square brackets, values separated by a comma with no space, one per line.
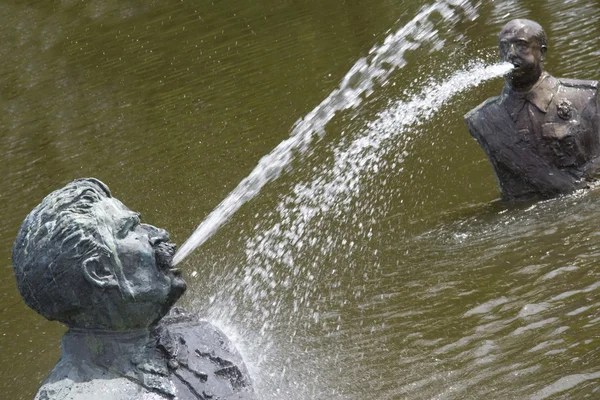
[357,84]
[285,258]
[301,216]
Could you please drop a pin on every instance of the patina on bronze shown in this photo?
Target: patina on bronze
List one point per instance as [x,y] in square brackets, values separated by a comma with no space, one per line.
[84,259]
[541,134]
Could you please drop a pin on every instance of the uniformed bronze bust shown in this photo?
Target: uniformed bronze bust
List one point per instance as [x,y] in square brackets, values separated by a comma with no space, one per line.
[541,134]
[84,259]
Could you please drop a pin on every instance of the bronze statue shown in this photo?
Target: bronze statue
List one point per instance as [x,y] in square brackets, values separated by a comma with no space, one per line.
[541,134]
[84,259]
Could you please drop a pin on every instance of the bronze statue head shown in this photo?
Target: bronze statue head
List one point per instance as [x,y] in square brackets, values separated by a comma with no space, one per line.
[83,258]
[524,44]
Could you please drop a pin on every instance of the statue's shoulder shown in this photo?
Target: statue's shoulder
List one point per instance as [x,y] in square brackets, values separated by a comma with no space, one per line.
[74,381]
[474,113]
[200,336]
[581,93]
[191,326]
[58,390]
[112,389]
[60,382]
[579,84]
[203,355]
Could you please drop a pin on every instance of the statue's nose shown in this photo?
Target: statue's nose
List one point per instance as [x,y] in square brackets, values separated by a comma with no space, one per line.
[156,235]
[512,51]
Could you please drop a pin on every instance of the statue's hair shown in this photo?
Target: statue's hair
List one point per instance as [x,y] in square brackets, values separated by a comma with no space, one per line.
[538,32]
[53,241]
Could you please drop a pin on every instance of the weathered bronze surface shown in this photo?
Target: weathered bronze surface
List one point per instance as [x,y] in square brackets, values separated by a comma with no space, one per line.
[84,259]
[542,133]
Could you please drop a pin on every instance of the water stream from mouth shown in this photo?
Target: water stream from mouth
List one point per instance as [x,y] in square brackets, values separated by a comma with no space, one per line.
[277,269]
[336,193]
[295,248]
[356,85]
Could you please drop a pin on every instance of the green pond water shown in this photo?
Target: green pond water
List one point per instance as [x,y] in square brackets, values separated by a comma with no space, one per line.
[416,283]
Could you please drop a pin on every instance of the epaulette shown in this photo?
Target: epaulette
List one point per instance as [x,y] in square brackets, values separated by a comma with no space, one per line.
[481,106]
[579,83]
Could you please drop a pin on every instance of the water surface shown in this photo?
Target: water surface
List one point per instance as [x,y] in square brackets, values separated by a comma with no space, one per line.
[417,284]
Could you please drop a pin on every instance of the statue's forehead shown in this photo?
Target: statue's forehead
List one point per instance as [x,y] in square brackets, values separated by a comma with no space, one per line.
[111,209]
[516,31]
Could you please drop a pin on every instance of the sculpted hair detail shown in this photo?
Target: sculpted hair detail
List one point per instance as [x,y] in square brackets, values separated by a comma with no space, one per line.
[53,241]
[540,35]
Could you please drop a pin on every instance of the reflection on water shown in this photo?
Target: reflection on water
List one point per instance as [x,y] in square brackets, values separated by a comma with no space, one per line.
[443,292]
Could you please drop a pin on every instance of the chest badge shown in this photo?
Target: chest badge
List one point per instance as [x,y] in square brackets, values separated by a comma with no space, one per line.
[565,109]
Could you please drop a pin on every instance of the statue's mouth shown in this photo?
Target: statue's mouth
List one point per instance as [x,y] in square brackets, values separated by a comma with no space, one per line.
[164,252]
[517,71]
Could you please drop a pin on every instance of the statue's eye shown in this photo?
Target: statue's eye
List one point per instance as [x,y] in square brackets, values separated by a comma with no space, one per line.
[521,44]
[125,228]
[128,225]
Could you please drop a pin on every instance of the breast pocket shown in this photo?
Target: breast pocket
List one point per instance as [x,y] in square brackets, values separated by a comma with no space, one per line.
[563,141]
[560,130]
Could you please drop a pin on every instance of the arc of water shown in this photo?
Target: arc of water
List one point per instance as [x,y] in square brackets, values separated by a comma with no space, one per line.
[333,187]
[359,81]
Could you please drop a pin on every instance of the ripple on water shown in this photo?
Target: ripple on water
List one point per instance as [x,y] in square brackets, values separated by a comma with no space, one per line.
[534,326]
[563,384]
[486,307]
[533,309]
[559,271]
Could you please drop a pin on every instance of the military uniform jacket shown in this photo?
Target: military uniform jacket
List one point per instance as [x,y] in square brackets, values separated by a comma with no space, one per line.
[185,359]
[543,142]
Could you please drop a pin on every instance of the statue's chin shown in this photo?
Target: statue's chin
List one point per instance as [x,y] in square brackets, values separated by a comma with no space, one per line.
[517,75]
[164,253]
[177,289]
[523,78]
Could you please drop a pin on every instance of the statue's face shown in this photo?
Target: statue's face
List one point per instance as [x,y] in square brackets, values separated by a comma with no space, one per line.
[520,47]
[141,263]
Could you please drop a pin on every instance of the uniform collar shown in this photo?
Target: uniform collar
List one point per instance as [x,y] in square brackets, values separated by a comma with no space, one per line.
[132,355]
[540,95]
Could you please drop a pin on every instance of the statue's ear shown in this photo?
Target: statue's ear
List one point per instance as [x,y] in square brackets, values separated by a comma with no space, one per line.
[98,273]
[544,50]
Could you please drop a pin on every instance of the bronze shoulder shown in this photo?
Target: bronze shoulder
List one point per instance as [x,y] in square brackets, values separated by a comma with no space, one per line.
[579,83]
[482,106]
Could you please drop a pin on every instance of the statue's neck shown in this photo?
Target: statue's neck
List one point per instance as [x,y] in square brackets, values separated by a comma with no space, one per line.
[118,351]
